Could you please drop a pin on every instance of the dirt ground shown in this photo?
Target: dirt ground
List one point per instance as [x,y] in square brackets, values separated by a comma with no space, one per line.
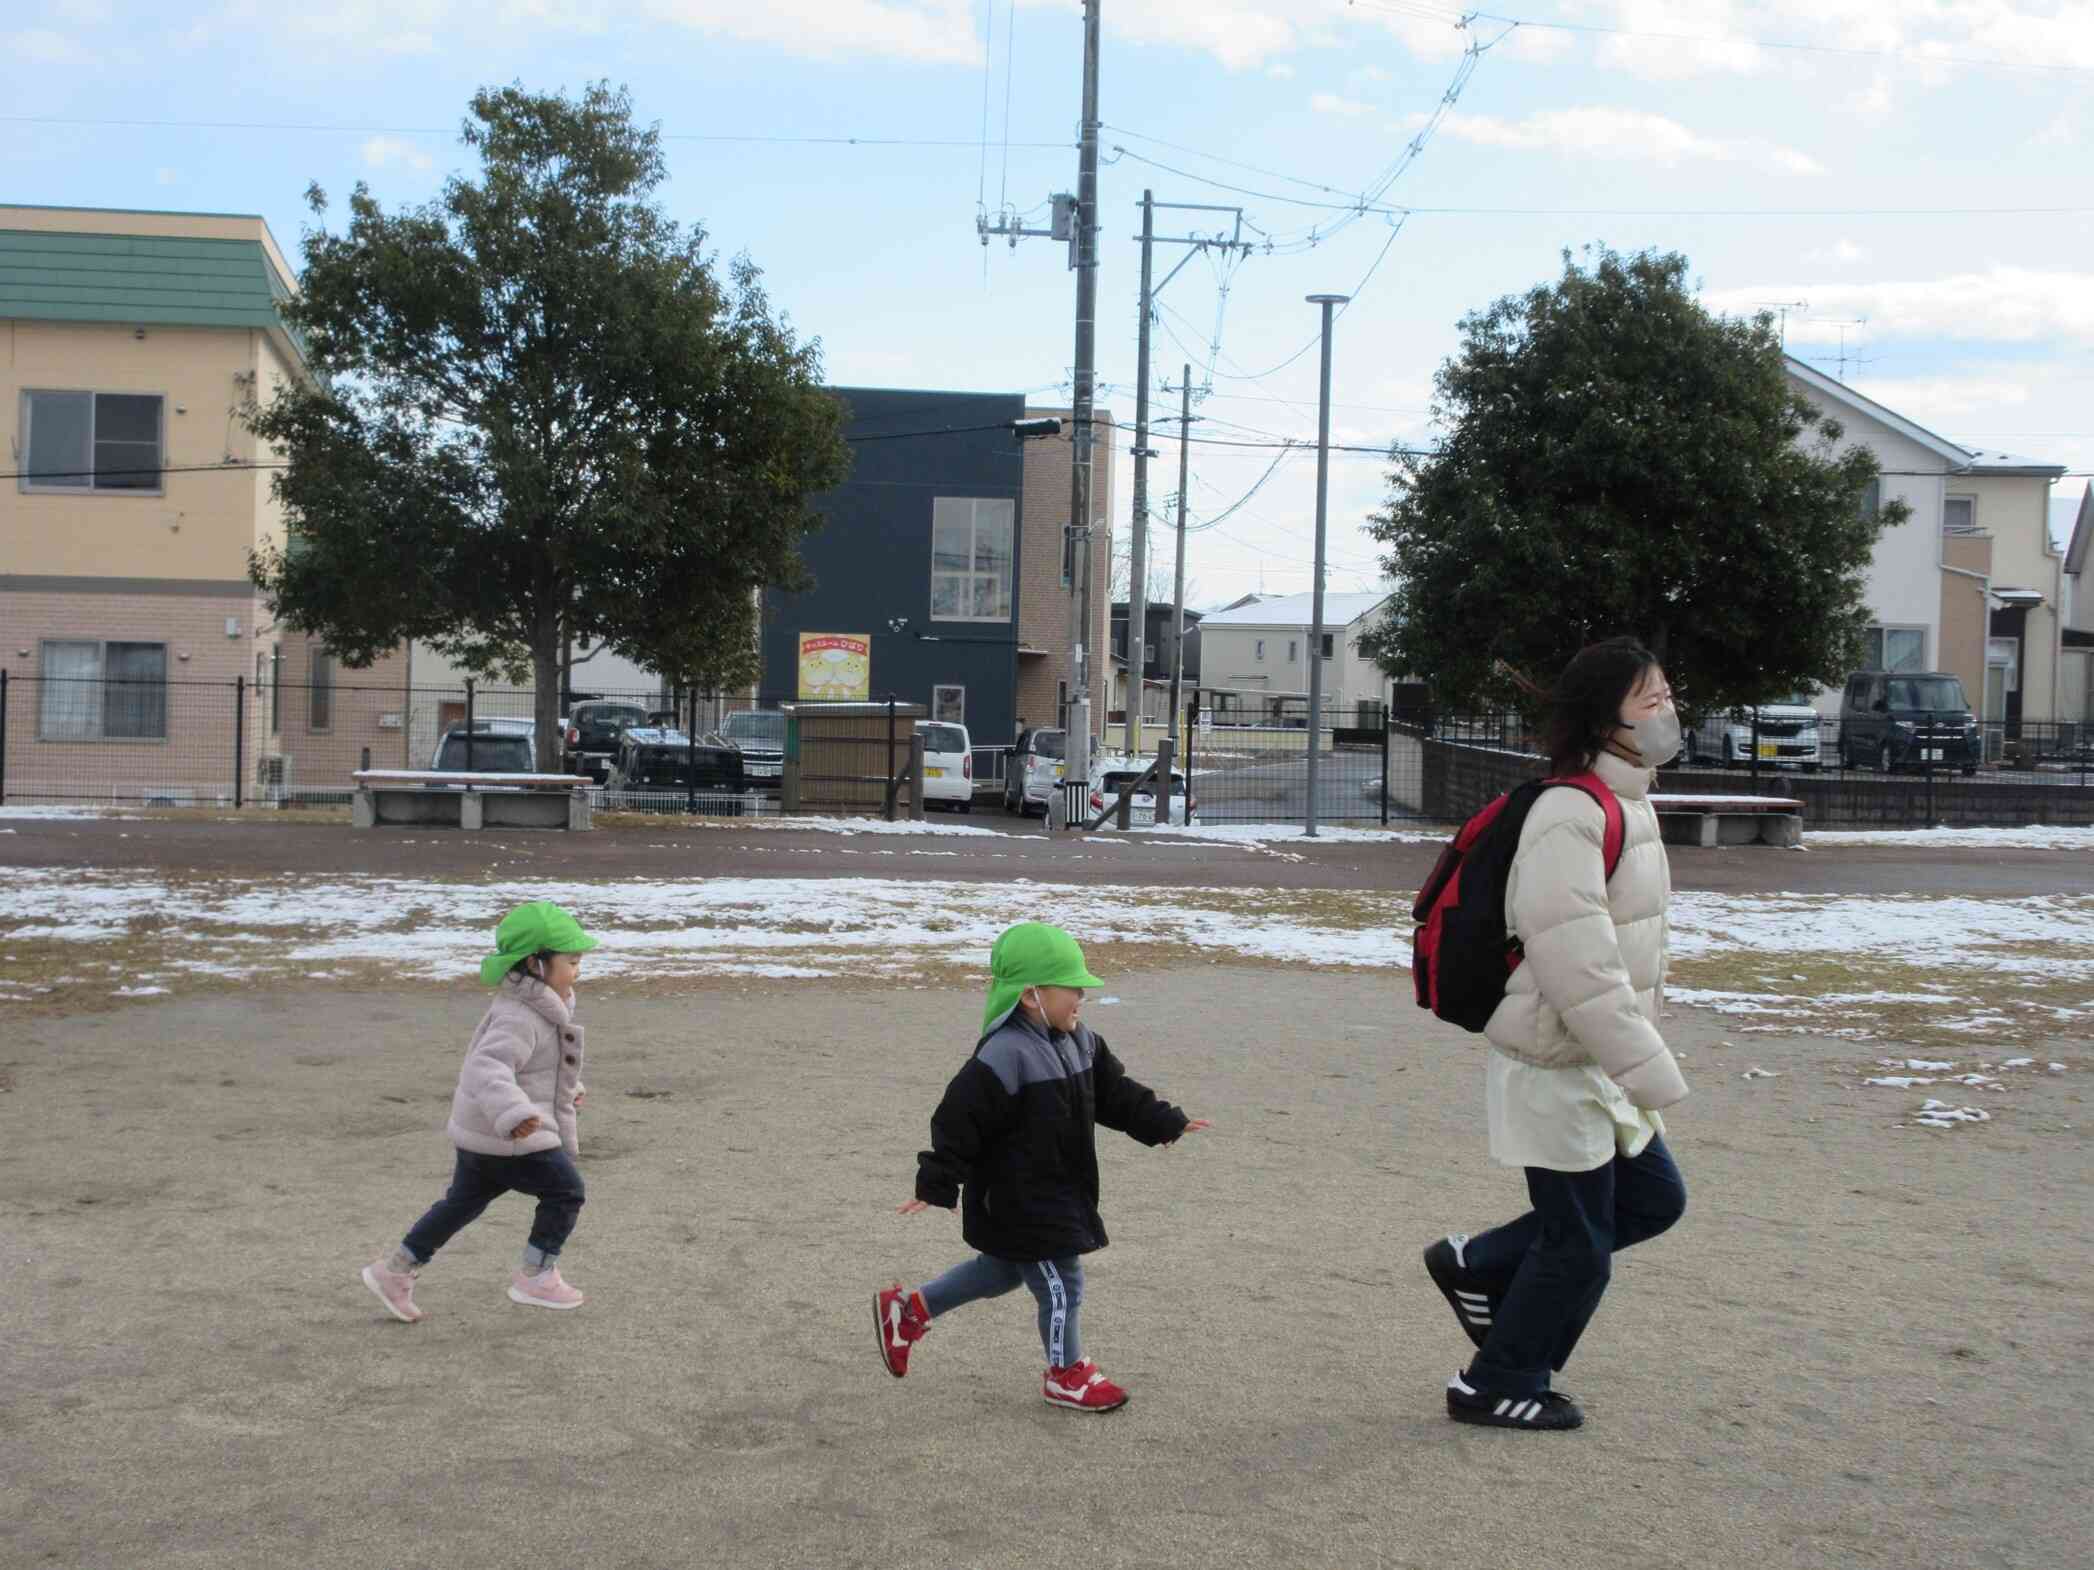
[630,846]
[1866,1345]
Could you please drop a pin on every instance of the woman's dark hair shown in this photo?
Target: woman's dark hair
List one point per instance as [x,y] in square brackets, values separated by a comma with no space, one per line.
[1585,707]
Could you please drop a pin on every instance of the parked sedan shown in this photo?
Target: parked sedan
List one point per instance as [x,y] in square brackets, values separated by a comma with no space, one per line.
[1110,778]
[759,735]
[497,747]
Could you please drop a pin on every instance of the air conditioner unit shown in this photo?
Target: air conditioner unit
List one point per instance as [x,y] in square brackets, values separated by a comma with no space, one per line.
[272,778]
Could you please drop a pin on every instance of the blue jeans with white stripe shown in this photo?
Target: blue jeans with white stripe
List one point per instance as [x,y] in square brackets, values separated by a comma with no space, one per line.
[1056,1283]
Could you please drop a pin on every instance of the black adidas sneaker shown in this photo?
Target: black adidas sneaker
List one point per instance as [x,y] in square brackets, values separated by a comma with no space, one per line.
[1474,1308]
[1549,1411]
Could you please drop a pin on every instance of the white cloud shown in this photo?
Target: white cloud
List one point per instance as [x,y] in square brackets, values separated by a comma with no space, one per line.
[2059,133]
[2002,304]
[380,151]
[1331,103]
[41,46]
[1280,71]
[1670,40]
[1241,34]
[1842,253]
[1630,134]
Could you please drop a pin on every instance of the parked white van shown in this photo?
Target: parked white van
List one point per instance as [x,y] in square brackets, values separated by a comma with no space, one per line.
[948,765]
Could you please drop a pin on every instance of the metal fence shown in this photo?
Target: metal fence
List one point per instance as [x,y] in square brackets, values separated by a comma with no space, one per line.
[1866,773]
[283,744]
[1258,772]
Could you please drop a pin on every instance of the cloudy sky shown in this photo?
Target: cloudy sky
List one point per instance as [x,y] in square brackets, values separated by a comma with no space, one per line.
[1908,177]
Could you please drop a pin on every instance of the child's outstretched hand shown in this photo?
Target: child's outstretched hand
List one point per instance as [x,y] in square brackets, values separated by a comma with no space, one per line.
[1191,1128]
[912,1207]
[525,1129]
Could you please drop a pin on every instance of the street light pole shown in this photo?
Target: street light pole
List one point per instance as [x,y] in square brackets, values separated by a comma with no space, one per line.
[1329,302]
[1178,591]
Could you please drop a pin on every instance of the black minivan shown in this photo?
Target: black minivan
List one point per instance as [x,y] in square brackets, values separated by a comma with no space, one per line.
[1908,720]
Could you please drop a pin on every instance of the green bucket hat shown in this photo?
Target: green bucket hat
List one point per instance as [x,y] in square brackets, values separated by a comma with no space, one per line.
[532,929]
[1032,954]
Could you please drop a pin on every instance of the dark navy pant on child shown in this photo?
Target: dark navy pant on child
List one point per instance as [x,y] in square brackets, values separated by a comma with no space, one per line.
[1552,1264]
[549,1176]
[1056,1283]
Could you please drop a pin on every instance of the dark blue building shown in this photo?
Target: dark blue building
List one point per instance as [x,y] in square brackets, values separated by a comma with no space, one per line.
[919,551]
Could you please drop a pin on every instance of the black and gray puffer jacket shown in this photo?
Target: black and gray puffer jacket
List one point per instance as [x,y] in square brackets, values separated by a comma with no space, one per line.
[1014,1141]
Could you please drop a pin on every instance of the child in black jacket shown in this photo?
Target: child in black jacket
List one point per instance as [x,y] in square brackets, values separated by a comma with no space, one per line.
[1014,1145]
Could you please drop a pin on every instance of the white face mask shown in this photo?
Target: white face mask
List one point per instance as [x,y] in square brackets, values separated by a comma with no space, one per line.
[1658,738]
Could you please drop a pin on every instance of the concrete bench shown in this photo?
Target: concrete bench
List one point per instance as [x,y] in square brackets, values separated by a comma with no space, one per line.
[459,799]
[1728,820]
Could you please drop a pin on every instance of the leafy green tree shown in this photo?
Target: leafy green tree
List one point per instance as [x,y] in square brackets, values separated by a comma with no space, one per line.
[1617,459]
[539,414]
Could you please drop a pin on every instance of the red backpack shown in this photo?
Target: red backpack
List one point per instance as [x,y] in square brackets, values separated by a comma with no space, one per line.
[1461,954]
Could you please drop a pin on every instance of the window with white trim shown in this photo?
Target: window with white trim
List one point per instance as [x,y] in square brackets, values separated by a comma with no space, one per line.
[949,704]
[971,545]
[93,691]
[1959,515]
[88,441]
[1894,649]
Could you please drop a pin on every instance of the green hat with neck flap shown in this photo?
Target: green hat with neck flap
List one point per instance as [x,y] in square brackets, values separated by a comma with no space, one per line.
[1032,954]
[532,929]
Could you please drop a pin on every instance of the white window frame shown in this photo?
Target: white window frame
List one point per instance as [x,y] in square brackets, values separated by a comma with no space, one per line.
[28,485]
[95,712]
[944,693]
[1878,660]
[1003,515]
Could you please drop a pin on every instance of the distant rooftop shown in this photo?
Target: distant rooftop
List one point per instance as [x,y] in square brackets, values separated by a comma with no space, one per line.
[1296,610]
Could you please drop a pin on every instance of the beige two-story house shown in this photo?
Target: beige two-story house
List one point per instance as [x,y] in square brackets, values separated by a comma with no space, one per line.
[141,663]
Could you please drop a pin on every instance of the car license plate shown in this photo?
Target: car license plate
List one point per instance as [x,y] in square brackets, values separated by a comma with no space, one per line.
[1768,749]
[763,770]
[1933,754]
[1058,770]
[934,774]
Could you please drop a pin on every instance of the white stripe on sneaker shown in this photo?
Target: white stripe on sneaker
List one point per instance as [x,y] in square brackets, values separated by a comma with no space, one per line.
[1499,1410]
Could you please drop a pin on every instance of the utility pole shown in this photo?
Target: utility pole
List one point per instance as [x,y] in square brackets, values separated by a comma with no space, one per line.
[1138,584]
[1077,765]
[1323,488]
[1178,592]
[1138,548]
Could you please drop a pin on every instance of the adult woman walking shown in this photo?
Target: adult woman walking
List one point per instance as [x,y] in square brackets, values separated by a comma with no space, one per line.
[1577,1068]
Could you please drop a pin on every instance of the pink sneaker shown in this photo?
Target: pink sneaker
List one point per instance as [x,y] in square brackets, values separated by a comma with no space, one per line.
[545,1290]
[395,1289]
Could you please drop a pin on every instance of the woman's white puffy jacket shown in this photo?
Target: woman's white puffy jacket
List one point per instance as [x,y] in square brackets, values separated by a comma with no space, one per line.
[1592,982]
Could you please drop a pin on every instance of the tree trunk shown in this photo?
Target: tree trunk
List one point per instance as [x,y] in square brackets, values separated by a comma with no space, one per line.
[545,673]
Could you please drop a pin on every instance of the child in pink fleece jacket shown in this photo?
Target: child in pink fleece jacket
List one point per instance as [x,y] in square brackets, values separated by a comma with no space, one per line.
[513,1116]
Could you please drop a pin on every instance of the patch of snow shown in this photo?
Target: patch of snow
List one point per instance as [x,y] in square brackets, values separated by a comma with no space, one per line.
[138,992]
[1899,1081]
[1756,1072]
[2017,1063]
[58,814]
[2033,838]
[785,825]
[1939,1114]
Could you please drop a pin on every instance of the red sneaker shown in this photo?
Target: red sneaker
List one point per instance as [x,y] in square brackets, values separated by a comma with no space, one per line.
[1081,1388]
[900,1320]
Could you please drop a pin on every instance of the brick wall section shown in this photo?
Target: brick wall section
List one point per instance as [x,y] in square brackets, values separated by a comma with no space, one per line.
[1043,611]
[1460,780]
